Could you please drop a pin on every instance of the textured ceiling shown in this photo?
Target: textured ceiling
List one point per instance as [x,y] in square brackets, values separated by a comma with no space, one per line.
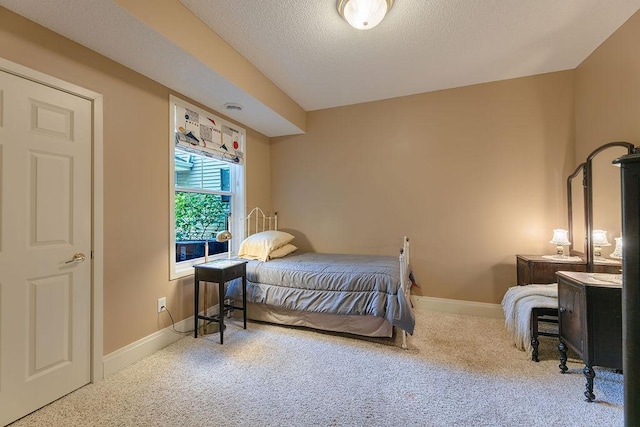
[318,60]
[312,54]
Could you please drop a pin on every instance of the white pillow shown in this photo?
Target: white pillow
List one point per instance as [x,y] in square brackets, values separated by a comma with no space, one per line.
[283,251]
[260,245]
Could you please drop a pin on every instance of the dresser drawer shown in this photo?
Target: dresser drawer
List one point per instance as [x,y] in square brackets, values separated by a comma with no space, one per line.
[540,270]
[572,317]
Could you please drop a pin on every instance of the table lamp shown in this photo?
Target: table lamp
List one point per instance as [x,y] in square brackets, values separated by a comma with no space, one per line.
[225,236]
[560,239]
[617,251]
[599,240]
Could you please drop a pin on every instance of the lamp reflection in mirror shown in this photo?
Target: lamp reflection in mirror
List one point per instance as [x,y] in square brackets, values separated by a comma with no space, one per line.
[225,236]
[363,14]
[617,251]
[599,240]
[560,239]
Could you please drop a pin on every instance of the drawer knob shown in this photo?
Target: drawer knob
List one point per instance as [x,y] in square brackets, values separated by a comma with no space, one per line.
[562,309]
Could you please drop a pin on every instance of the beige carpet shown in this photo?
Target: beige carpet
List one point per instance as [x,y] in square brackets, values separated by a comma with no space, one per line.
[458,371]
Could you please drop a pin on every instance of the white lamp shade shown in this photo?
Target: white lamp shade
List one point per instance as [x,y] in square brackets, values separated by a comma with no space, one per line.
[600,238]
[223,236]
[617,252]
[363,14]
[560,237]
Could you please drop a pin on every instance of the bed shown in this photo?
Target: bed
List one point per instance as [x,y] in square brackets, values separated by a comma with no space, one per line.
[365,295]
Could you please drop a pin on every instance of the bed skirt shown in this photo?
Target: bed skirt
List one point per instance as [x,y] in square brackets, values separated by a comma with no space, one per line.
[368,326]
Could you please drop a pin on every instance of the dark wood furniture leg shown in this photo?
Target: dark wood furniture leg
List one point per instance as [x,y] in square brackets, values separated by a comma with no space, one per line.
[589,374]
[244,301]
[534,335]
[196,300]
[541,314]
[221,310]
[562,348]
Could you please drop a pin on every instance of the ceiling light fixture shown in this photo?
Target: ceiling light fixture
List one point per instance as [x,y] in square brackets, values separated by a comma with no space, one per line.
[364,14]
[232,106]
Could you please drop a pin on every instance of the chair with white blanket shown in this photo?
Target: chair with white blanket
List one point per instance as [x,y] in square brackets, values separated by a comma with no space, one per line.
[524,308]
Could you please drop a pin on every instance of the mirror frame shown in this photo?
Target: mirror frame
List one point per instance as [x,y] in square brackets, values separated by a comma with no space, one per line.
[588,196]
[570,178]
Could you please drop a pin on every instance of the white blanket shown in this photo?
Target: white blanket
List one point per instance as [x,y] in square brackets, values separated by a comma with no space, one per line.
[517,304]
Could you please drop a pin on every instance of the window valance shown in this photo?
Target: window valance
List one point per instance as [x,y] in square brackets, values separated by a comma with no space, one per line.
[200,132]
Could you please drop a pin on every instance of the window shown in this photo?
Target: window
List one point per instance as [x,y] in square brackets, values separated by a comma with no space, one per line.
[206,186]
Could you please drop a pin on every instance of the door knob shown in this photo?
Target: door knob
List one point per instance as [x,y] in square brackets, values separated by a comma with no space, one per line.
[77,258]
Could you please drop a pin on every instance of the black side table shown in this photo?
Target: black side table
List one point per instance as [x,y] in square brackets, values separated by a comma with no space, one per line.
[220,271]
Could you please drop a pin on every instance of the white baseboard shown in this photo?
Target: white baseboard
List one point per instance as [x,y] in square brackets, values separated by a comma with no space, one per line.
[125,356]
[128,355]
[472,308]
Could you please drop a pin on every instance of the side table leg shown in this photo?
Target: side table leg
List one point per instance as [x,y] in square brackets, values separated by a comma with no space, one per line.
[589,374]
[221,310]
[196,291]
[562,348]
[244,301]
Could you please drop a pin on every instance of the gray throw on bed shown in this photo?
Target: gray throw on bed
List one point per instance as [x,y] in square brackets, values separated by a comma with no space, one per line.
[330,283]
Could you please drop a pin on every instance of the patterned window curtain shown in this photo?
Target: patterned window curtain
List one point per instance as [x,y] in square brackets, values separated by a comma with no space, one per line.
[205,134]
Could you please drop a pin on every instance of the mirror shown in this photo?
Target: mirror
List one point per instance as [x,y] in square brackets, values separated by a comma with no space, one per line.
[576,211]
[603,202]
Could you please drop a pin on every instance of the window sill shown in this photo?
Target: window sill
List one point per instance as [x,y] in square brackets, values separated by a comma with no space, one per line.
[185,268]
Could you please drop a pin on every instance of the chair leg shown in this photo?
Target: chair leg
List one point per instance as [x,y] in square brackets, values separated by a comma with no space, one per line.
[534,352]
[534,335]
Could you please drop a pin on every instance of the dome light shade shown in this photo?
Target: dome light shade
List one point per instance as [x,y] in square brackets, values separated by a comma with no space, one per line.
[364,14]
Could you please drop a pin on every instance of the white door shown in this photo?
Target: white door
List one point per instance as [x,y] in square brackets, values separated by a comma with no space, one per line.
[45,217]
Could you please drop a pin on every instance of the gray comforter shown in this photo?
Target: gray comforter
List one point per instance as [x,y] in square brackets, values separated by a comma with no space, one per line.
[330,283]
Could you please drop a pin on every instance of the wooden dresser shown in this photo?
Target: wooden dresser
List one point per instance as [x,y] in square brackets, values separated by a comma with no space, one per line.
[539,269]
[590,322]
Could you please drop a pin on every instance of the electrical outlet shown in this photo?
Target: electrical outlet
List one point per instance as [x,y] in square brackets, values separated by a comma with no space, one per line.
[162,304]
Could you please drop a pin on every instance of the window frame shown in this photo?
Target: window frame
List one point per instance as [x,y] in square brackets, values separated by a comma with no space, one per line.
[237,192]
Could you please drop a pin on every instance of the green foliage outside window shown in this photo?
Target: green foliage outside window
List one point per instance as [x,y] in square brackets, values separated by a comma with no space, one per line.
[199,216]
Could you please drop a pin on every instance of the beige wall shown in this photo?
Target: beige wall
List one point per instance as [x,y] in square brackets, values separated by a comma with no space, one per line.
[607,104]
[607,108]
[136,195]
[472,175]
